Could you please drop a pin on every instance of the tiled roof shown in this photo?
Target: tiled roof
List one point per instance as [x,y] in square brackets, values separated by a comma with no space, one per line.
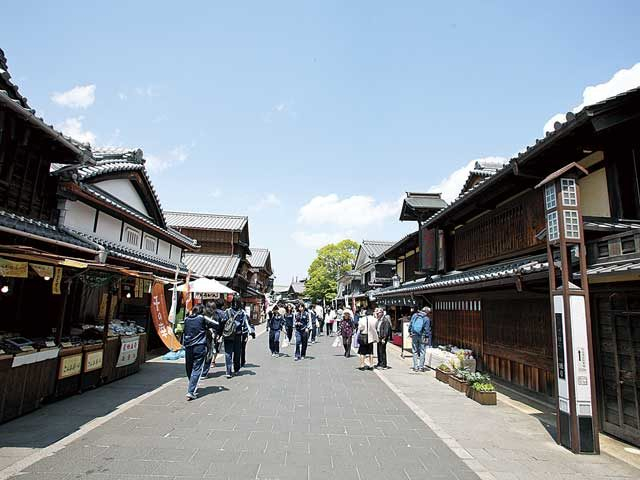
[425,200]
[605,226]
[620,266]
[523,266]
[206,221]
[280,288]
[481,169]
[118,153]
[105,197]
[298,287]
[125,252]
[399,243]
[374,248]
[211,265]
[42,229]
[561,129]
[107,166]
[258,257]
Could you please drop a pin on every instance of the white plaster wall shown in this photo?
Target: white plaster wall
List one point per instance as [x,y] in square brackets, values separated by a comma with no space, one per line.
[108,227]
[123,190]
[176,253]
[594,194]
[163,249]
[79,216]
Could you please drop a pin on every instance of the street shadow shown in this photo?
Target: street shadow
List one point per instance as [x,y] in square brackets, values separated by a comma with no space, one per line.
[211,390]
[250,365]
[61,418]
[242,373]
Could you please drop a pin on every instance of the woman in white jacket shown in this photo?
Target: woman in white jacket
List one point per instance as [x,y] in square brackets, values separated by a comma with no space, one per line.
[367,337]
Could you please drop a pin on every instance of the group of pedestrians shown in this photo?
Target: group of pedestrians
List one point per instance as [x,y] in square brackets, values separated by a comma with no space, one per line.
[208,326]
[304,324]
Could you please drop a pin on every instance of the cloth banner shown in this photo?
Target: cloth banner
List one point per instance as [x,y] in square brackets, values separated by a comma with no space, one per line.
[57,279]
[174,299]
[42,270]
[161,318]
[188,302]
[128,351]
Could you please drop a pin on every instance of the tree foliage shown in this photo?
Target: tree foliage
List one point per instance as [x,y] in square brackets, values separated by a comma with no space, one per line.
[332,261]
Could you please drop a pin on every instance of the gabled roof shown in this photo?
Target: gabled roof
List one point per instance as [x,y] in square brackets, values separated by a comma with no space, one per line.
[258,257]
[418,206]
[281,288]
[212,265]
[206,221]
[481,170]
[406,243]
[561,130]
[297,287]
[374,248]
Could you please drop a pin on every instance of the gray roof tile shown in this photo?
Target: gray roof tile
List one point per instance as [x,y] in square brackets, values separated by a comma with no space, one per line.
[211,265]
[375,248]
[258,257]
[206,221]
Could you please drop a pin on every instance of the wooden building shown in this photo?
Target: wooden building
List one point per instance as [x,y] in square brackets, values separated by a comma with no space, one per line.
[488,279]
[224,246]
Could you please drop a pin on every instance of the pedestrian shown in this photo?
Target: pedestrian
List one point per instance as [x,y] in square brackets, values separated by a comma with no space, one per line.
[212,315]
[289,318]
[235,318]
[217,338]
[346,332]
[275,325]
[314,323]
[383,327]
[194,341]
[330,318]
[320,316]
[366,338]
[420,332]
[247,329]
[336,325]
[302,327]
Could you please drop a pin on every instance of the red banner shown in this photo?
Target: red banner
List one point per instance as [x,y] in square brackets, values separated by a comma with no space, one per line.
[161,318]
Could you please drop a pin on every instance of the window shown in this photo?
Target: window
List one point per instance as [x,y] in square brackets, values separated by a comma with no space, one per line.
[550,196]
[150,244]
[132,237]
[571,224]
[569,194]
[553,232]
[628,245]
[603,249]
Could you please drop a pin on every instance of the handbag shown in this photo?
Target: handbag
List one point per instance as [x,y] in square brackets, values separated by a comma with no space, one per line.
[364,336]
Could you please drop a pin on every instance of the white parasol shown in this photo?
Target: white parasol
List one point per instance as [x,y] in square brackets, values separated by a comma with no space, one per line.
[205,285]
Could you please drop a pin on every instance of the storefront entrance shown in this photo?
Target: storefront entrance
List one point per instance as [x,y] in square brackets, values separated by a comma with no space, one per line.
[618,363]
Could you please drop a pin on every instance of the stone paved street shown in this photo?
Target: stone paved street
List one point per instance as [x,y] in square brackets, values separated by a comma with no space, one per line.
[279,419]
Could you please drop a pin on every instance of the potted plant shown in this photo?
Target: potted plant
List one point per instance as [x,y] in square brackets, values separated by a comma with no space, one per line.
[458,379]
[443,372]
[475,377]
[484,393]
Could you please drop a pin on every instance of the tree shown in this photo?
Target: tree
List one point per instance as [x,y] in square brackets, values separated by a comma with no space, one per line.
[332,261]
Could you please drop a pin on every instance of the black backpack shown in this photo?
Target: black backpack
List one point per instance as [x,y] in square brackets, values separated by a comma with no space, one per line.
[229,329]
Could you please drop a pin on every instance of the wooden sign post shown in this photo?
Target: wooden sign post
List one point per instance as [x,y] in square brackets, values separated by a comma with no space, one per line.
[569,290]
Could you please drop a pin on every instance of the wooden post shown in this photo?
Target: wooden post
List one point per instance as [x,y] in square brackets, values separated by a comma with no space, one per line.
[569,294]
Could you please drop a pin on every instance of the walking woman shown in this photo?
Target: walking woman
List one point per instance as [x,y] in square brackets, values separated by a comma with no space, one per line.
[367,337]
[328,321]
[195,346]
[274,326]
[346,332]
[303,326]
[289,318]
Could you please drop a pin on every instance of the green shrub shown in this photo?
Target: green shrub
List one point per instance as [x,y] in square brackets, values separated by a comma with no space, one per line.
[484,387]
[444,367]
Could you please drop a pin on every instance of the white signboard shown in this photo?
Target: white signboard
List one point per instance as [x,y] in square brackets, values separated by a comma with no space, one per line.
[128,351]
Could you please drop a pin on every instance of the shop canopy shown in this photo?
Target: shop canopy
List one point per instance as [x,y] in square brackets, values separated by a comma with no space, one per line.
[205,285]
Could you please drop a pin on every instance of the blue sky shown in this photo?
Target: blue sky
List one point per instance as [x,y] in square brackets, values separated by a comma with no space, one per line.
[312,118]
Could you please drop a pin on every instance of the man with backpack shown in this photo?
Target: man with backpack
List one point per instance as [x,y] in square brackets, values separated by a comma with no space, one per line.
[235,322]
[420,331]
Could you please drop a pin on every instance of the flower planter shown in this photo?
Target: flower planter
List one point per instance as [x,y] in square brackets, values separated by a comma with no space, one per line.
[484,398]
[458,384]
[442,375]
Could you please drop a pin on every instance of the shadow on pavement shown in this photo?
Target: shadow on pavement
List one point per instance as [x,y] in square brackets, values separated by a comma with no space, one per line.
[59,419]
[211,390]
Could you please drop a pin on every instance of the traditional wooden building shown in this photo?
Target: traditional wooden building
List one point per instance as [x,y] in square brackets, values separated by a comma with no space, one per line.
[488,279]
[224,246]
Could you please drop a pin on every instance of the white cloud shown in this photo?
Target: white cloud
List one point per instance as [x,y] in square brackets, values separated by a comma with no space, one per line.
[318,239]
[148,91]
[72,127]
[354,211]
[622,80]
[281,109]
[81,96]
[215,193]
[159,163]
[269,200]
[451,186]
[122,96]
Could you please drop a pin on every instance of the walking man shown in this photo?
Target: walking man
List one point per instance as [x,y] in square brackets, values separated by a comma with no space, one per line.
[235,321]
[383,327]
[420,331]
[302,326]
[289,318]
[195,346]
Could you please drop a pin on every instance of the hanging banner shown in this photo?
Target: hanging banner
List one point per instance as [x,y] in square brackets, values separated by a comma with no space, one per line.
[128,351]
[188,302]
[57,279]
[161,318]
[102,312]
[174,299]
[42,270]
[13,269]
